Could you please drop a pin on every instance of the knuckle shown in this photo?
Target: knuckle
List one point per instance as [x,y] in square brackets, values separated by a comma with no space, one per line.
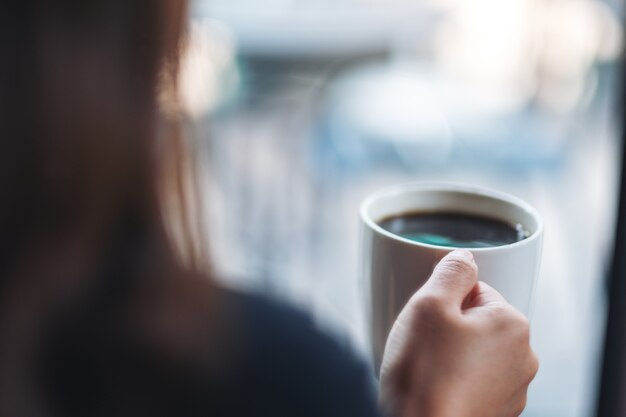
[431,306]
[501,318]
[516,322]
[523,327]
[428,303]
[534,365]
[515,316]
[502,312]
[522,320]
[521,405]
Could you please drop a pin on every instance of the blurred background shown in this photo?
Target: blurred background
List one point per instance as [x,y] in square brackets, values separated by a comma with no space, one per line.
[301,108]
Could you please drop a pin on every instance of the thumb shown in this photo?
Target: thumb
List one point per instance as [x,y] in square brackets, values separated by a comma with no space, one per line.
[453,278]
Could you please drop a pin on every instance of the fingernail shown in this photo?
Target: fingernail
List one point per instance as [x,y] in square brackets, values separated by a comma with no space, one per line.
[463,253]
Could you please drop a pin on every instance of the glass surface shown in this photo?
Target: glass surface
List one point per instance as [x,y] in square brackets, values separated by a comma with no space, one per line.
[304,112]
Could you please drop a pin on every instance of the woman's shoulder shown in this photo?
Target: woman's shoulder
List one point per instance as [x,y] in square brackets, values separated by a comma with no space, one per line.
[197,351]
[284,354]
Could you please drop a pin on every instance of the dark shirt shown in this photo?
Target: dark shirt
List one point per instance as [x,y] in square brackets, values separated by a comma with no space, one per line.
[276,363]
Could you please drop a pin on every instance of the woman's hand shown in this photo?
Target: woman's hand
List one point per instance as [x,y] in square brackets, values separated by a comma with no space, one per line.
[458,349]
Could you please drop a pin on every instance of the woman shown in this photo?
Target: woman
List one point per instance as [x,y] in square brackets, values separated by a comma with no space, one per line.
[101,313]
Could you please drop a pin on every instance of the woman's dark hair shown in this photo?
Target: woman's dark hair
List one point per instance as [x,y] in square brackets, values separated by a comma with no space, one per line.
[86,157]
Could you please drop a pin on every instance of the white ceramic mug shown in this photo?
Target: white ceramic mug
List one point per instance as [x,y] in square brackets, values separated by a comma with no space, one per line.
[393,267]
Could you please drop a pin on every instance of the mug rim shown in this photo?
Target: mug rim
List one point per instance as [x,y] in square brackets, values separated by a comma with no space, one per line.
[413,187]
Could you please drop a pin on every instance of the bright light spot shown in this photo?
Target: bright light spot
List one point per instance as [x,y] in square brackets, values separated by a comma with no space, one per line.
[515,51]
[485,43]
[208,55]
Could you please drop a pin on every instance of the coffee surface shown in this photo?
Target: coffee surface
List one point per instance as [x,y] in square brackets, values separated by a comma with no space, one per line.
[454,229]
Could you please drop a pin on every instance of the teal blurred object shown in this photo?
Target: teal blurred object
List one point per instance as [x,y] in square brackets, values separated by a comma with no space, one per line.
[439,240]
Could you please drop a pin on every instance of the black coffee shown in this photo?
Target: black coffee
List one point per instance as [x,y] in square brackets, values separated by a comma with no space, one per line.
[454,229]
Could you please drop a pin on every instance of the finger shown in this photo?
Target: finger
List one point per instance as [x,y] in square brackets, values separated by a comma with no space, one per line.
[518,403]
[485,296]
[453,278]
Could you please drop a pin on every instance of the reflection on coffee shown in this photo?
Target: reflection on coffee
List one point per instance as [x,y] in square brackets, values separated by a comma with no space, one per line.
[454,229]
